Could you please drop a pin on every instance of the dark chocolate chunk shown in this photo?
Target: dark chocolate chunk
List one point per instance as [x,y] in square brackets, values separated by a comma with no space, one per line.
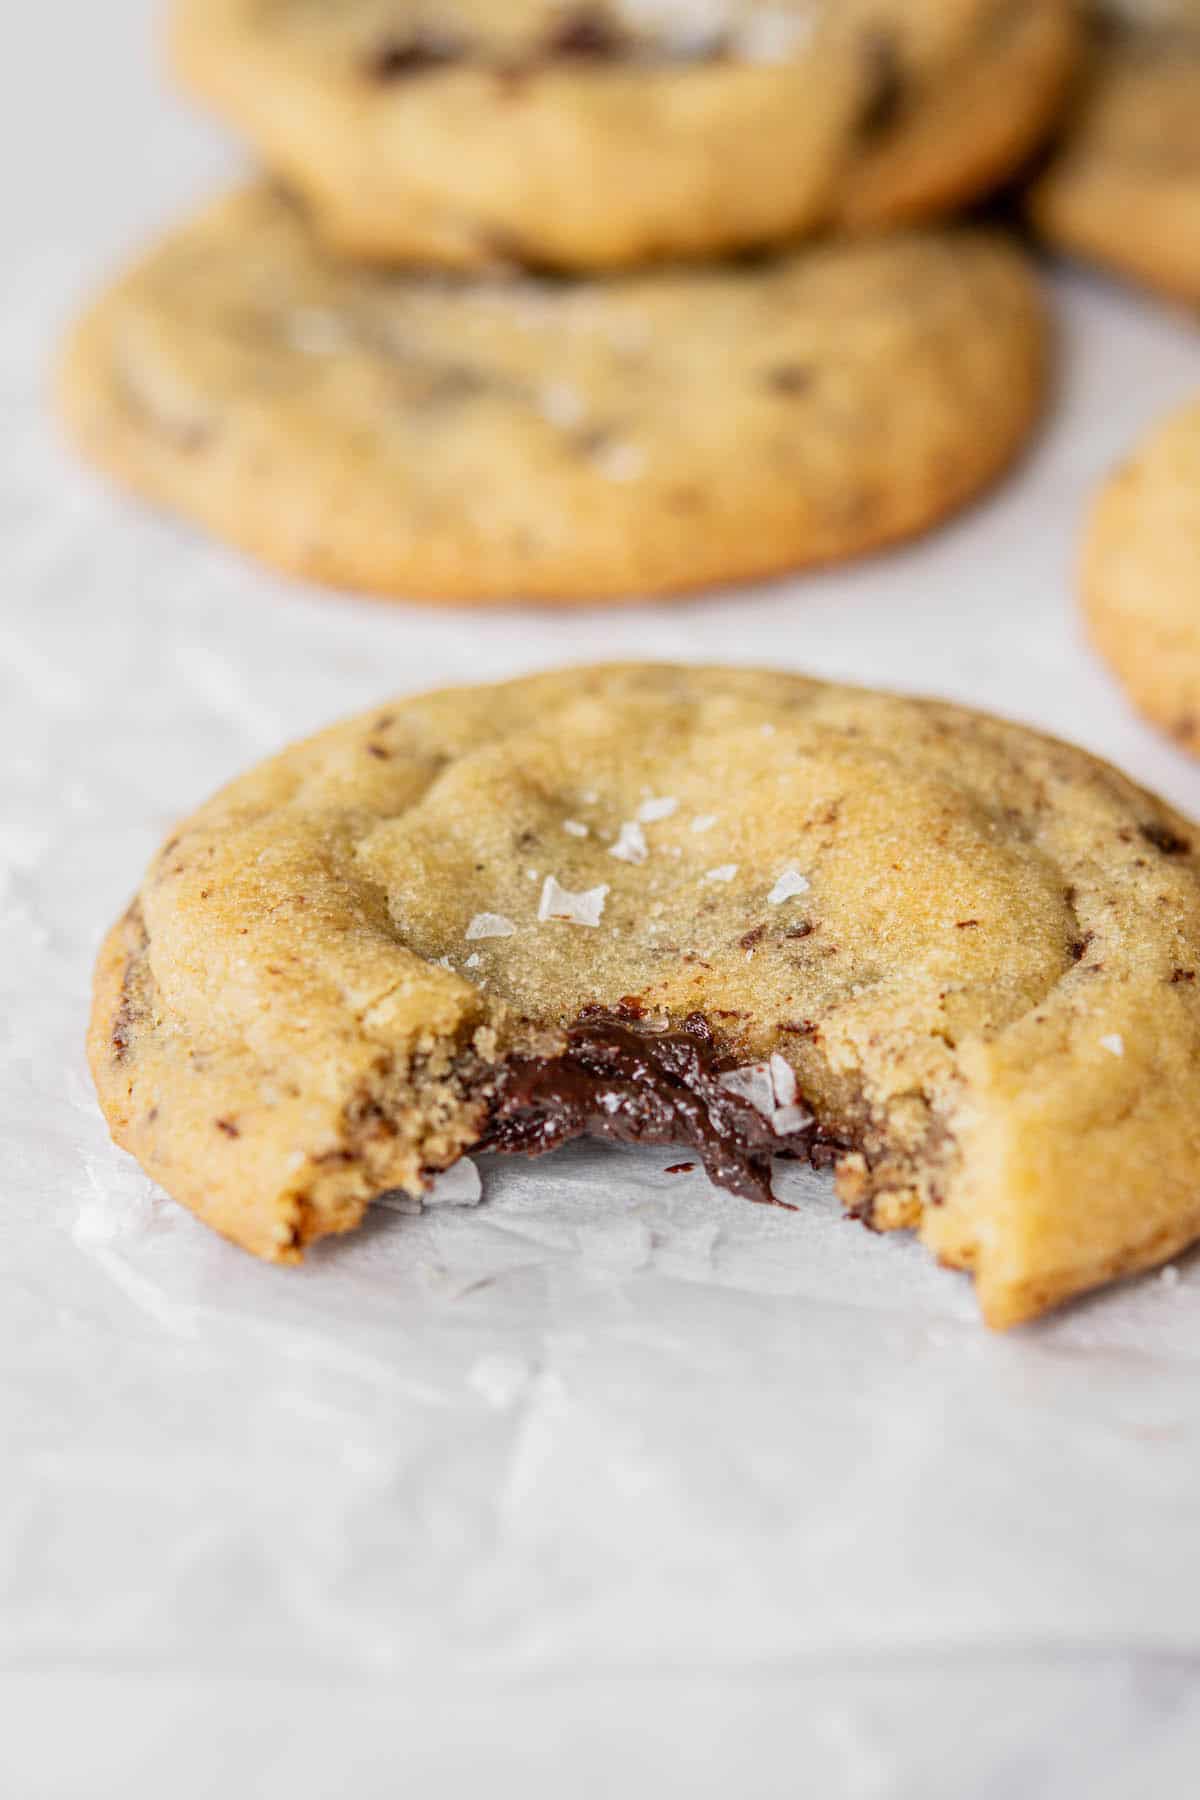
[122,1030]
[1166,840]
[639,1086]
[789,378]
[587,31]
[397,58]
[885,84]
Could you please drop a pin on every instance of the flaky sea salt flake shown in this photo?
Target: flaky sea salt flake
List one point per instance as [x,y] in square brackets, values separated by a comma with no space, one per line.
[723,872]
[621,462]
[786,1119]
[753,1084]
[790,883]
[704,821]
[489,925]
[631,846]
[560,906]
[783,1078]
[1114,1043]
[574,828]
[773,35]
[656,808]
[561,404]
[459,1185]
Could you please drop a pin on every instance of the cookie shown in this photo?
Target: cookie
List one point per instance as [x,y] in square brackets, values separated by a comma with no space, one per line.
[604,134]
[1123,190]
[732,910]
[480,440]
[1141,576]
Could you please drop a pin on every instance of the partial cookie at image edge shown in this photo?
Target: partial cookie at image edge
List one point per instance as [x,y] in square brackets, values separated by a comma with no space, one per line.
[1121,190]
[1140,576]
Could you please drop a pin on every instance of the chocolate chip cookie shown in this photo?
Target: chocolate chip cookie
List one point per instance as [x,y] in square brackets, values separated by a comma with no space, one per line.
[490,439]
[1124,189]
[738,911]
[1141,576]
[615,132]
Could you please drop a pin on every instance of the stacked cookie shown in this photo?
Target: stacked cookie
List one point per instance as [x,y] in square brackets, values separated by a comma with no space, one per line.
[499,336]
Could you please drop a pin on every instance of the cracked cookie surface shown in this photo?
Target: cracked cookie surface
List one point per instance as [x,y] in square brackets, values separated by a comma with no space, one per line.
[1122,188]
[625,131]
[958,958]
[1141,576]
[487,440]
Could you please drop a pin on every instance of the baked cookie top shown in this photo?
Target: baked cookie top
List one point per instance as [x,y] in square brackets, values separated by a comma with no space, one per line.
[487,439]
[611,132]
[1121,190]
[734,909]
[1141,575]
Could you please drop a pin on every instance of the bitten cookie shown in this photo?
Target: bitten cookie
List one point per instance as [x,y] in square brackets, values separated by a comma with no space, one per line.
[727,909]
[490,440]
[1141,576]
[625,131]
[1124,188]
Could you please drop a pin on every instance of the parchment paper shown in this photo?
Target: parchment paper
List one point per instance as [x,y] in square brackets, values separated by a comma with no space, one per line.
[614,1484]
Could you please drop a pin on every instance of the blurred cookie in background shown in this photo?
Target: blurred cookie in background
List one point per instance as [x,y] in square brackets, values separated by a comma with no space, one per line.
[1124,188]
[1141,576]
[495,439]
[613,132]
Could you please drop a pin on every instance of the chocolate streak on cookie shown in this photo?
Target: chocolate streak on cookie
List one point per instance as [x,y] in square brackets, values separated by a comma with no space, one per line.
[622,1082]
[585,34]
[885,84]
[129,1013]
[395,59]
[588,31]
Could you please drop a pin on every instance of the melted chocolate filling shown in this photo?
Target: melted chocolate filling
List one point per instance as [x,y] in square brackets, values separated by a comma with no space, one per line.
[636,1086]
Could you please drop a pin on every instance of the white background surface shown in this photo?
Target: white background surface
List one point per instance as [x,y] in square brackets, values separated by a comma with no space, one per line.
[616,1485]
